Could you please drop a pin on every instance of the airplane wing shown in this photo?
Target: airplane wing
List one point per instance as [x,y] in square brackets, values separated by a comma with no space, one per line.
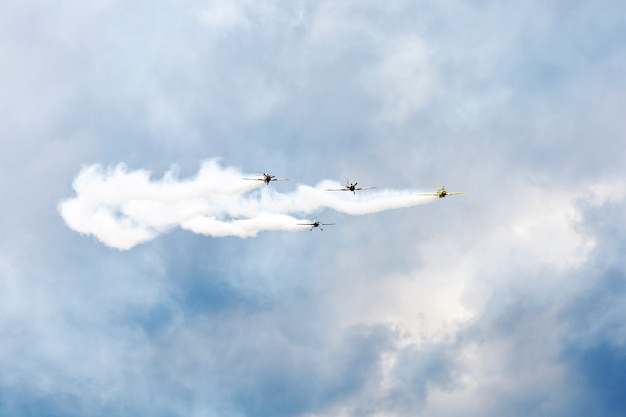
[253,179]
[281,179]
[456,192]
[347,189]
[430,194]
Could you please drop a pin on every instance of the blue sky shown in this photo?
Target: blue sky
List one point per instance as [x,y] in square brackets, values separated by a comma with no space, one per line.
[509,300]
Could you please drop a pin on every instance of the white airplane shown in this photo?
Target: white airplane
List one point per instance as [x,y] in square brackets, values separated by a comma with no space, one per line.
[442,192]
[350,187]
[266,178]
[315,223]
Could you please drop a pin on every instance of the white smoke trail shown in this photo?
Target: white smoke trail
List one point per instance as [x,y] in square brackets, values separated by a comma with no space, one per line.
[124,208]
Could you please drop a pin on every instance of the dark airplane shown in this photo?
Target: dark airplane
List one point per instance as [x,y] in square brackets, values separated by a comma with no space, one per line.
[350,187]
[267,178]
[316,223]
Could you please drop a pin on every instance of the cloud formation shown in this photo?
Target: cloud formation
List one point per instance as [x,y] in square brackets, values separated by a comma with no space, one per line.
[123,208]
[510,301]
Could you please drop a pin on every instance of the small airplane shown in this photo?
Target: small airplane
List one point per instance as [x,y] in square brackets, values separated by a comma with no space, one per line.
[350,187]
[267,178]
[316,223]
[442,192]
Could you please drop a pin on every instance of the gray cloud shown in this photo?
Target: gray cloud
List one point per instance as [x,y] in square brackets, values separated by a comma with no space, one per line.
[506,301]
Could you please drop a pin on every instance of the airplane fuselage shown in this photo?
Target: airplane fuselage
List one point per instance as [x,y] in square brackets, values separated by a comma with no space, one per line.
[442,192]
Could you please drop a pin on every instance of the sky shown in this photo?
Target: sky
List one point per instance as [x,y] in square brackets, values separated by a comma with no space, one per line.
[141,275]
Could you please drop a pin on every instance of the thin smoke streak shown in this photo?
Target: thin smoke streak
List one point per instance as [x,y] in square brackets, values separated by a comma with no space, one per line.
[123,208]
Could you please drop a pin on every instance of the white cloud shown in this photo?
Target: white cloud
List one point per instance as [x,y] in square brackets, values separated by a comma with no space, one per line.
[224,16]
[405,80]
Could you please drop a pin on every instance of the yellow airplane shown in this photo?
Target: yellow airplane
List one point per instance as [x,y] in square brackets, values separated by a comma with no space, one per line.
[442,192]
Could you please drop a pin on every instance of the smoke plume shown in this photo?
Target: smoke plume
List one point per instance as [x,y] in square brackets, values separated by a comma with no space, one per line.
[123,208]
